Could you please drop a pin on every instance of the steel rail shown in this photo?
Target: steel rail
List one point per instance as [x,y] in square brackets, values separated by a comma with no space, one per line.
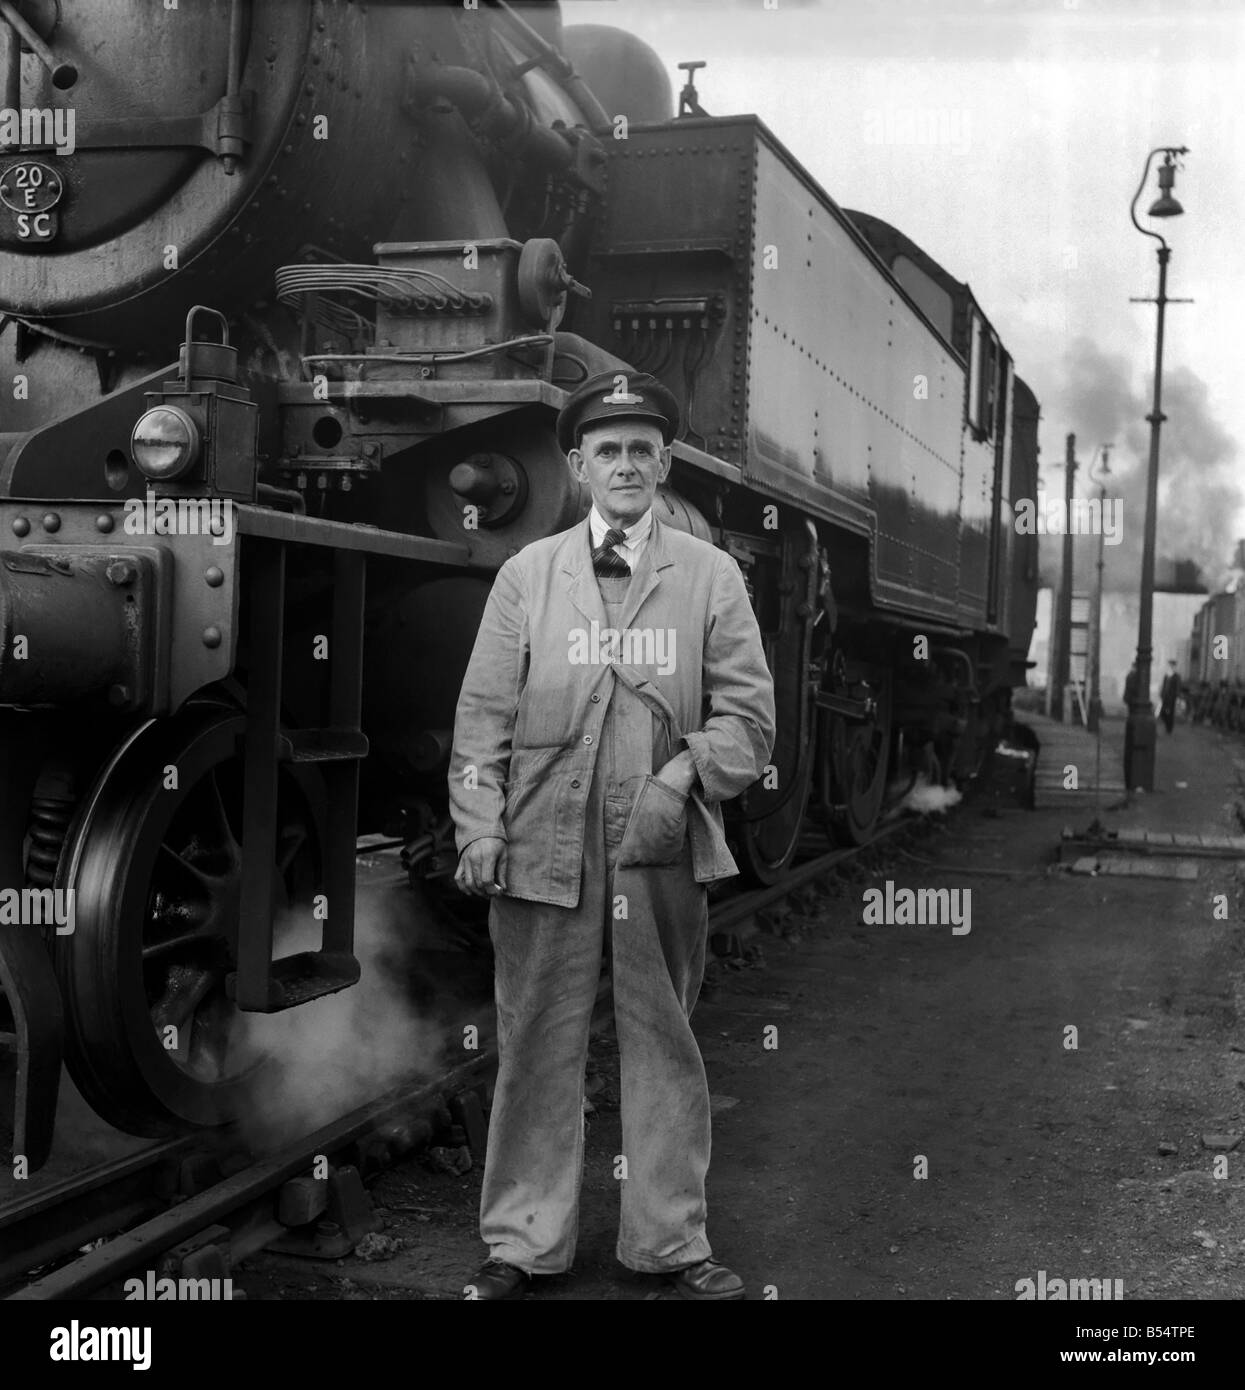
[153,1237]
[736,909]
[61,1218]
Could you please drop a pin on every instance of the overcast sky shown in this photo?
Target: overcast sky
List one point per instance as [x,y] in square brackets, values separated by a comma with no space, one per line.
[1050,109]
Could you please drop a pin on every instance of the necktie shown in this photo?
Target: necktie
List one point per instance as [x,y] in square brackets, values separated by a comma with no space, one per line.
[605,560]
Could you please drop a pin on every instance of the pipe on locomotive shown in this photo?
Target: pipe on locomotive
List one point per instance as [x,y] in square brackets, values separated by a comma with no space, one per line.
[556,63]
[492,113]
[63,74]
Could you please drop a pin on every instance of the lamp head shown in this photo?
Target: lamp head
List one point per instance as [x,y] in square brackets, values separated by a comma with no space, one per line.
[1165,205]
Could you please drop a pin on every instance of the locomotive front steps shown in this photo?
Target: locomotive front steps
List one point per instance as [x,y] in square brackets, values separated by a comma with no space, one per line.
[261,984]
[297,979]
[321,745]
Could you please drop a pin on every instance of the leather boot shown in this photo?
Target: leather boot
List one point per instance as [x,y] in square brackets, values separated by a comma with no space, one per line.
[707,1280]
[496,1279]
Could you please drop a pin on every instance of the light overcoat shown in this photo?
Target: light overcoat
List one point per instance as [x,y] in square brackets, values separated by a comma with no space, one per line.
[544,669]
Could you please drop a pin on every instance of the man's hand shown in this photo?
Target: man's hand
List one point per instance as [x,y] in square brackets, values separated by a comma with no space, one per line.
[482,868]
[679,772]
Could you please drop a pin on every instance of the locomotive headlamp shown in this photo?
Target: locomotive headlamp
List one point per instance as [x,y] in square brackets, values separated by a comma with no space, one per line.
[165,443]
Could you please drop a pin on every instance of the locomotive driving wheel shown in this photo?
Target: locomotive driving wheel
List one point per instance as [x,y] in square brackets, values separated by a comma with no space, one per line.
[768,838]
[155,862]
[858,749]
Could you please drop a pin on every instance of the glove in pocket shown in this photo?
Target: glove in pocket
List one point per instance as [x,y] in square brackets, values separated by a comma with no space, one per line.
[657,830]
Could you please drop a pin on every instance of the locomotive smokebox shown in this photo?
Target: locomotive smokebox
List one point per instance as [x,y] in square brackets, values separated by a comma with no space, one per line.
[204,151]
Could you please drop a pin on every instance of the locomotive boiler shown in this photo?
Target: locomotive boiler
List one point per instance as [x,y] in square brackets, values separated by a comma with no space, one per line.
[282,340]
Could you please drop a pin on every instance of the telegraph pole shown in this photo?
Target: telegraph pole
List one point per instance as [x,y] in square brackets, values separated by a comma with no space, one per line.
[1095,613]
[1062,634]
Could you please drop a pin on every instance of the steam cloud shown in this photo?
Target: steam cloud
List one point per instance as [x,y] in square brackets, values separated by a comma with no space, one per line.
[335,1053]
[1200,490]
[925,797]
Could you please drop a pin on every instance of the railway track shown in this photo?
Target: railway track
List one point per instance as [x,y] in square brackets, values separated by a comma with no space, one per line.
[208,1207]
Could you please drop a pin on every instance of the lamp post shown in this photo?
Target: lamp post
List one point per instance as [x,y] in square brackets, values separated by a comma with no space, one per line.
[1139,730]
[1062,615]
[1095,613]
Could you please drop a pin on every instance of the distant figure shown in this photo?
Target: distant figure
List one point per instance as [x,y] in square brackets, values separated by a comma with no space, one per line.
[1168,695]
[1219,707]
[1201,702]
[1130,686]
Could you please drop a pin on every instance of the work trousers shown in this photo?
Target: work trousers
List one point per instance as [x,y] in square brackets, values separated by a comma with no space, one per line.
[652,918]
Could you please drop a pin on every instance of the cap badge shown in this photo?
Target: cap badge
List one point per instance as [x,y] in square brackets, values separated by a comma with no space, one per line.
[617,397]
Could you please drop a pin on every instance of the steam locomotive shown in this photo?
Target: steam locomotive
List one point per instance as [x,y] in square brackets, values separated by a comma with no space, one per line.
[282,340]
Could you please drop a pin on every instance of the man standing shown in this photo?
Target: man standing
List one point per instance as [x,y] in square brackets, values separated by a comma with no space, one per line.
[616,695]
[1169,693]
[1130,686]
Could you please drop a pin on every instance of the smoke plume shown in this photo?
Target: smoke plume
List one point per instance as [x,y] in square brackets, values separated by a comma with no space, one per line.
[1200,491]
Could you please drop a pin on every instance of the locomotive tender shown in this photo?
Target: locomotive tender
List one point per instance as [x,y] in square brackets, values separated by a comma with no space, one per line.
[389,239]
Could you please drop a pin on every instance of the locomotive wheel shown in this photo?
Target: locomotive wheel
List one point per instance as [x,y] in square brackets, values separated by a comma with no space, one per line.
[859,754]
[157,880]
[767,845]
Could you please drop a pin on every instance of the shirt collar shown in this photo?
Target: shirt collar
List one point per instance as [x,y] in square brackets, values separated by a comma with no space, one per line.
[632,535]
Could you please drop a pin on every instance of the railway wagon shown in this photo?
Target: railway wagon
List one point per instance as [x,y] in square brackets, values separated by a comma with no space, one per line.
[286,316]
[1215,681]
